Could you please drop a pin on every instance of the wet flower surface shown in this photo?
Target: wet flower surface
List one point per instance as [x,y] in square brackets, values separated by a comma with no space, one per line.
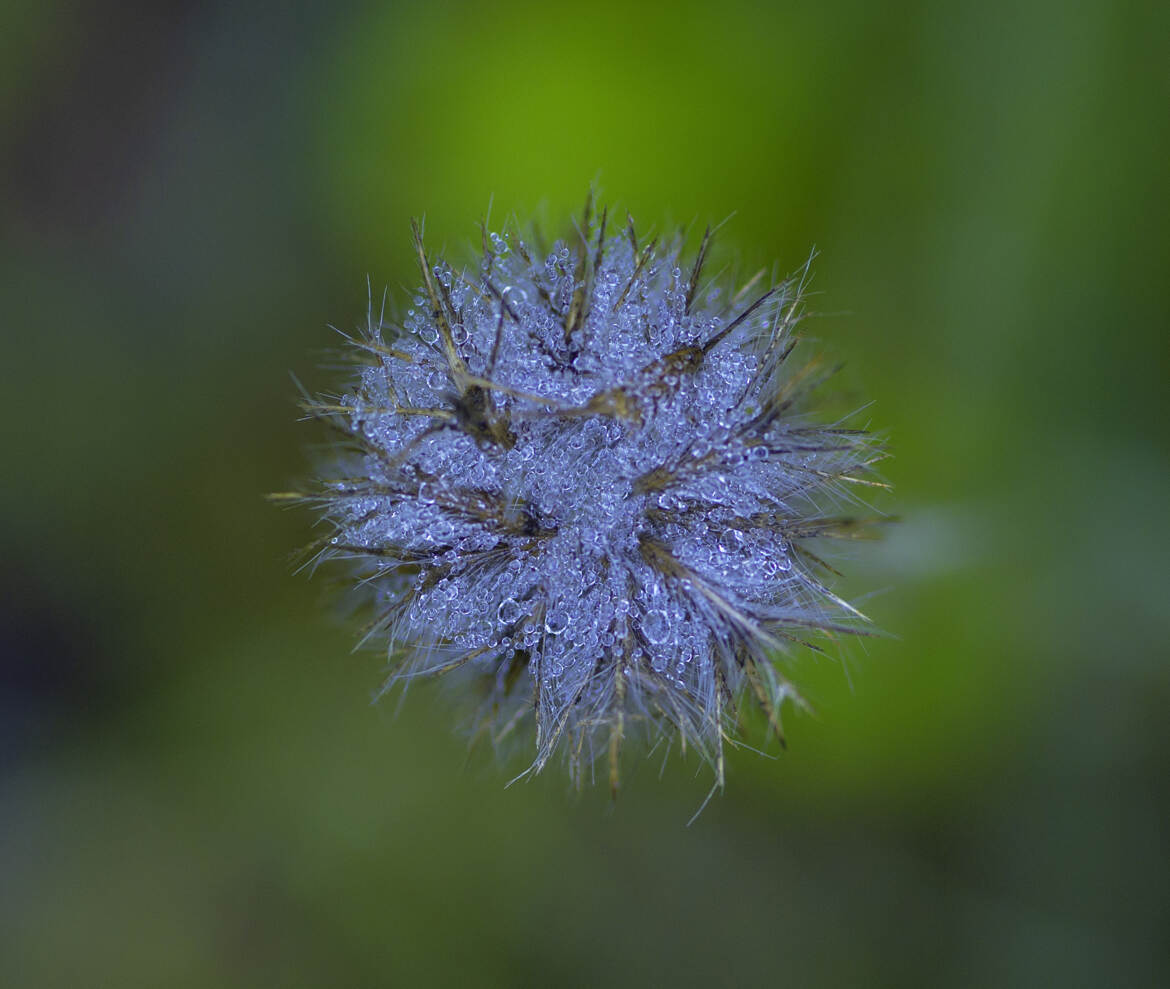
[586,474]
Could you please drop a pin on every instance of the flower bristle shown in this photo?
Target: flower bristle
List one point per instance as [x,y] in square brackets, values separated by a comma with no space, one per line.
[588,477]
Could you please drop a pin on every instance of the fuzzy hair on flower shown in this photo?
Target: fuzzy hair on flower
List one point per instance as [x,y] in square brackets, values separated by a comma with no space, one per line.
[586,477]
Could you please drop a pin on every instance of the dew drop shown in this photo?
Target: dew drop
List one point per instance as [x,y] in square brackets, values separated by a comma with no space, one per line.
[508,611]
[556,621]
[656,626]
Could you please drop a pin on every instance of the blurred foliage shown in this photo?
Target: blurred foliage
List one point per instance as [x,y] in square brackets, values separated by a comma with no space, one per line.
[194,790]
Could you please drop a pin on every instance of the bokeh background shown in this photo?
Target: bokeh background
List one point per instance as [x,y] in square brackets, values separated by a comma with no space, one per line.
[195,789]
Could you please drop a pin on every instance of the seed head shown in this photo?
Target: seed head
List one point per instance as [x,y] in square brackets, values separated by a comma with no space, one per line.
[585,475]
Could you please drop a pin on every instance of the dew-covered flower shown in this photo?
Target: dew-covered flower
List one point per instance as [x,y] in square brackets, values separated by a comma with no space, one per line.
[585,477]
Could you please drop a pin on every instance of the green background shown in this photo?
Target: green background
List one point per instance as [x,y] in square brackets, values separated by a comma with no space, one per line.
[194,787]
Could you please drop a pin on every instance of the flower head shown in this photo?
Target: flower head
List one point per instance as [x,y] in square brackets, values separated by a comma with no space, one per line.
[585,475]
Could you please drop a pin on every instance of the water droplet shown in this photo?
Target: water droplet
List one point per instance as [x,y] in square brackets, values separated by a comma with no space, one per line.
[509,611]
[556,621]
[656,626]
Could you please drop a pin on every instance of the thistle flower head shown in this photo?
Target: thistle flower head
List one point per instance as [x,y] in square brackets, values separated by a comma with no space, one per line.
[584,474]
